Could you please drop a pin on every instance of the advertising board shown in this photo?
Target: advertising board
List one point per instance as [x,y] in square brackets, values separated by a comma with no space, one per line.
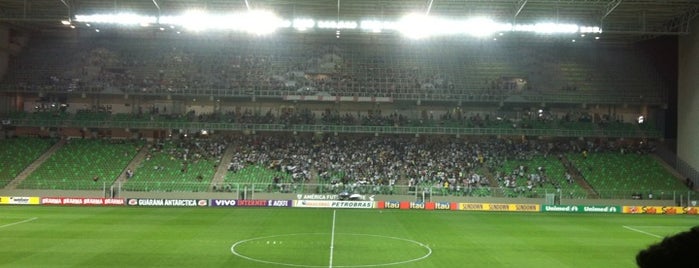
[83,201]
[152,202]
[19,200]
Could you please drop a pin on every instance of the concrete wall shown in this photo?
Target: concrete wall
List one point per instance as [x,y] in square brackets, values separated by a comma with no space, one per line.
[688,97]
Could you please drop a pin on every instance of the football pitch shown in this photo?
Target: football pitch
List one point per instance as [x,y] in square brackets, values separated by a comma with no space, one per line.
[275,237]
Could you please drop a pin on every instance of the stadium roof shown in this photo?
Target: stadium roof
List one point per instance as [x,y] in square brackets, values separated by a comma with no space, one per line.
[627,20]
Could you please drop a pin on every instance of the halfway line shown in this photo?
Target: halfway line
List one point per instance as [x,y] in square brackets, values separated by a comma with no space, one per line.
[15,223]
[332,241]
[640,231]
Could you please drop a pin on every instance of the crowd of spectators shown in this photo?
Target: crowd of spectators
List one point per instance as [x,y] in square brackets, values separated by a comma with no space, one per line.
[376,164]
[456,117]
[187,151]
[293,66]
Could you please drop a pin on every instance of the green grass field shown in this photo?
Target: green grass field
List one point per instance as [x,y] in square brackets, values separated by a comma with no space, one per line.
[250,237]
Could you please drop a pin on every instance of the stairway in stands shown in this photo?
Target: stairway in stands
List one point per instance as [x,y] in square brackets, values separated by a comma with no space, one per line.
[34,165]
[578,177]
[222,168]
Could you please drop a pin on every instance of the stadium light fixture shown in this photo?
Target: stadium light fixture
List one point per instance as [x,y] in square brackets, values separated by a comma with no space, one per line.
[303,24]
[377,26]
[260,22]
[484,27]
[125,19]
[327,24]
[413,25]
[417,26]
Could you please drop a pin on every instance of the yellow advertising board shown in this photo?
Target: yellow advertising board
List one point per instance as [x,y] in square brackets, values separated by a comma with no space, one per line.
[499,207]
[670,210]
[19,200]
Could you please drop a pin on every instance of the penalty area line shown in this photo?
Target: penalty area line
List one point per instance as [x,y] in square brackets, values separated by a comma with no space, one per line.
[641,231]
[19,222]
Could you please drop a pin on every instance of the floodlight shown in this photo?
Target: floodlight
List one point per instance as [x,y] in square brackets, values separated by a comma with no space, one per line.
[326,24]
[260,22]
[416,26]
[483,27]
[303,24]
[119,18]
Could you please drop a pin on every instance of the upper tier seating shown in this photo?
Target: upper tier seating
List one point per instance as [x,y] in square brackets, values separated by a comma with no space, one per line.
[298,66]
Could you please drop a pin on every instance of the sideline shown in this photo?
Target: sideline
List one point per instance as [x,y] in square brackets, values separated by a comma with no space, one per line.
[640,231]
[19,222]
[332,241]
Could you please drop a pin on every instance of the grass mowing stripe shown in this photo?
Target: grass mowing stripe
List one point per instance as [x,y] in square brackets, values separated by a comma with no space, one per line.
[19,222]
[118,237]
[640,231]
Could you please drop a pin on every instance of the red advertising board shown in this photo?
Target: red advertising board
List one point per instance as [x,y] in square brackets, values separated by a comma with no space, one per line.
[82,201]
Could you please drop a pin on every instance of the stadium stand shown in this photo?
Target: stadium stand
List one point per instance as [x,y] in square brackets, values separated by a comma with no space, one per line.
[17,153]
[298,67]
[177,166]
[83,164]
[627,174]
[535,176]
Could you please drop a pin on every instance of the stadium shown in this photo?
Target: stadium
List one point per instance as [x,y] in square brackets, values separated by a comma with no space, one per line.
[417,133]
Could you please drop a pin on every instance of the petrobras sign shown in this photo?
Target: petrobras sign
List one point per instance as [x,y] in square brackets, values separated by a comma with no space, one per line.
[334,204]
[317,197]
[352,204]
[249,203]
[151,202]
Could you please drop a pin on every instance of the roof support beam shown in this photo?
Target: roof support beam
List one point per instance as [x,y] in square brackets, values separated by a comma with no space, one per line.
[519,7]
[429,7]
[609,8]
[158,7]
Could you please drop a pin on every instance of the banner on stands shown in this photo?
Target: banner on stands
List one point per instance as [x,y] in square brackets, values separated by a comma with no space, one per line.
[84,201]
[19,200]
[151,202]
[581,209]
[317,197]
[249,203]
[334,204]
[670,210]
[499,207]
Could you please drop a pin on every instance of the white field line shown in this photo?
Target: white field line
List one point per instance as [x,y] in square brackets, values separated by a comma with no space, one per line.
[640,231]
[332,241]
[19,222]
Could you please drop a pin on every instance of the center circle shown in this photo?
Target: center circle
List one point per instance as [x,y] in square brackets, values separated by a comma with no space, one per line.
[315,250]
